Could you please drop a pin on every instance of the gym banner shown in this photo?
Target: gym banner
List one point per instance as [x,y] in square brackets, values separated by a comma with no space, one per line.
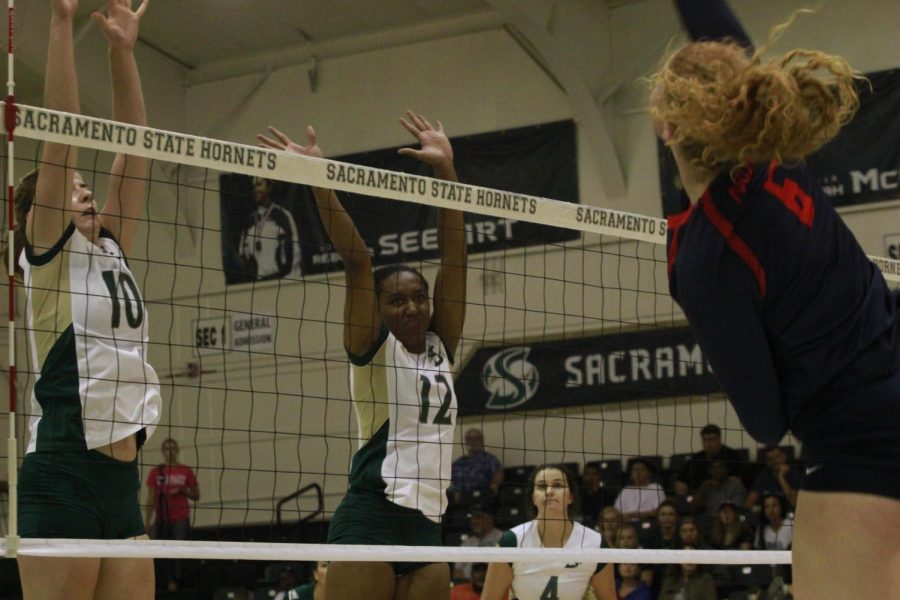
[275,231]
[860,165]
[620,367]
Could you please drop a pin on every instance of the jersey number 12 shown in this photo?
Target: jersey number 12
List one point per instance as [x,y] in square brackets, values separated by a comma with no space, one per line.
[441,418]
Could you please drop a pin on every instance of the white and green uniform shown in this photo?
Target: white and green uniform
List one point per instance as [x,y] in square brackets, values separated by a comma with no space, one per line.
[548,581]
[87,325]
[406,413]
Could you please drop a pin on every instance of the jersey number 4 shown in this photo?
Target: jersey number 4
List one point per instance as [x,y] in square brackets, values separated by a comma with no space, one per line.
[441,418]
[550,592]
[134,308]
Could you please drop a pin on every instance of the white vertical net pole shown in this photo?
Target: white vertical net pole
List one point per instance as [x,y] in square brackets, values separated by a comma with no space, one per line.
[10,121]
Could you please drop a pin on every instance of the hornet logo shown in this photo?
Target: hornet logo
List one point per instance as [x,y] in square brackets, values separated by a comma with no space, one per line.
[510,378]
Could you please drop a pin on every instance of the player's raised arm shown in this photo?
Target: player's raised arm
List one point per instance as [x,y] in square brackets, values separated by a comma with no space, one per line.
[48,217]
[450,285]
[362,323]
[128,180]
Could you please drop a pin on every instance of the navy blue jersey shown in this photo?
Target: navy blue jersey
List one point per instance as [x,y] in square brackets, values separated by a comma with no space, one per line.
[711,20]
[781,297]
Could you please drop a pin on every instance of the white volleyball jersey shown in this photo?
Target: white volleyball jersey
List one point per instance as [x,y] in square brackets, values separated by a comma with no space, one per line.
[406,414]
[554,581]
[87,326]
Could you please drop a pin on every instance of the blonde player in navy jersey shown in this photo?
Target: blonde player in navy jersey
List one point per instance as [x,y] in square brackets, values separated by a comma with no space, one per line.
[96,399]
[552,491]
[799,325]
[401,352]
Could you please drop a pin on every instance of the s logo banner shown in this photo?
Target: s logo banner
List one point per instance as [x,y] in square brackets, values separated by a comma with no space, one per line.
[509,378]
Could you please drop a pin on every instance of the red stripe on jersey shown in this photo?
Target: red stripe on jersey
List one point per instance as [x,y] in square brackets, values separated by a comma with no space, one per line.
[733,240]
[675,222]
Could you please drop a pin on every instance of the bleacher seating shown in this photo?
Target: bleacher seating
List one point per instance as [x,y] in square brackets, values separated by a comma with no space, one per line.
[513,494]
[750,576]
[475,496]
[233,593]
[265,593]
[677,461]
[511,510]
[610,473]
[517,474]
[509,516]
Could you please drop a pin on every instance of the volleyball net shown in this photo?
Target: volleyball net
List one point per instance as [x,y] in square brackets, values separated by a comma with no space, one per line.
[572,353]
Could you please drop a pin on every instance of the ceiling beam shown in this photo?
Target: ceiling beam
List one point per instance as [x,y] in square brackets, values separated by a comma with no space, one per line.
[306,52]
[549,54]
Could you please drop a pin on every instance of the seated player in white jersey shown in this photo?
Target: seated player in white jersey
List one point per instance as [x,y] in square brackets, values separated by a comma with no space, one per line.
[96,399]
[402,389]
[552,491]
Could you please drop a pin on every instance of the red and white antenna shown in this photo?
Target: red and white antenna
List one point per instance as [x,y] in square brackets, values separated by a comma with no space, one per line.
[12,539]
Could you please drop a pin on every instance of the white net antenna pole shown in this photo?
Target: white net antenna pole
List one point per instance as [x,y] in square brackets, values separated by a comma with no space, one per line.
[9,113]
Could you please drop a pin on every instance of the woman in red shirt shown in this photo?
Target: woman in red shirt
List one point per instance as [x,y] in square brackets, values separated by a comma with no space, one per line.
[169,487]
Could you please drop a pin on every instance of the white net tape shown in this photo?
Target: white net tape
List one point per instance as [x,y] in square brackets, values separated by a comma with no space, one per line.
[101,134]
[344,552]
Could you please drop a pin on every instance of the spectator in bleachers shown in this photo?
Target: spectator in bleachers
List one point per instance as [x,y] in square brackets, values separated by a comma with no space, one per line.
[287,581]
[471,590]
[642,498]
[594,497]
[477,469]
[779,479]
[484,535]
[721,487]
[665,534]
[611,523]
[689,534]
[728,531]
[170,486]
[688,581]
[315,589]
[629,585]
[629,539]
[776,529]
[696,470]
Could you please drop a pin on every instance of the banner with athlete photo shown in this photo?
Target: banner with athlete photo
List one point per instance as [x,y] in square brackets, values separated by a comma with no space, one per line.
[860,165]
[538,160]
[620,367]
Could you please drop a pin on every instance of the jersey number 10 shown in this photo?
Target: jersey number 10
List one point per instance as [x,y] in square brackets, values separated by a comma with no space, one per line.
[134,308]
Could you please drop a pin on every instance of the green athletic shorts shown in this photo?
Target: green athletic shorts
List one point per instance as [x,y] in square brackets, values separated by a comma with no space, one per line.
[370,520]
[84,494]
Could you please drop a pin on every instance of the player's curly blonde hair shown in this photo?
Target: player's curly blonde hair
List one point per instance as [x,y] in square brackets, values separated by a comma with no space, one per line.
[725,108]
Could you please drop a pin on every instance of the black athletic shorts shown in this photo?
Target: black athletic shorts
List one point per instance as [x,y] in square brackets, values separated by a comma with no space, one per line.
[851,442]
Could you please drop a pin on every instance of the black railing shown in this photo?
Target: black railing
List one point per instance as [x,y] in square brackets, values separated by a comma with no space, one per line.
[318,511]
